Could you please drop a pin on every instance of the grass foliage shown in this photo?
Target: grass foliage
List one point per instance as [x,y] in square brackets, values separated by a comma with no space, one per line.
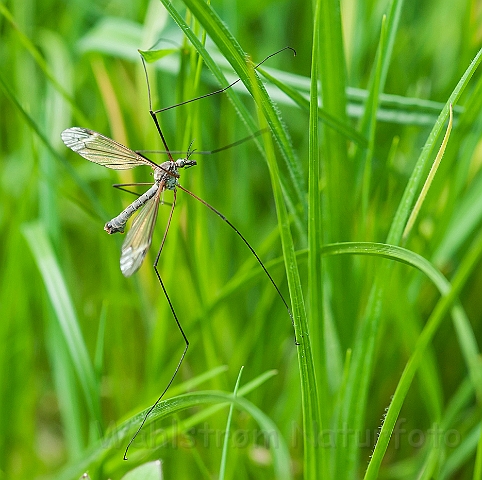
[385,381]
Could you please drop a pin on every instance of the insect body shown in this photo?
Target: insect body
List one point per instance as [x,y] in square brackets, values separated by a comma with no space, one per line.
[106,152]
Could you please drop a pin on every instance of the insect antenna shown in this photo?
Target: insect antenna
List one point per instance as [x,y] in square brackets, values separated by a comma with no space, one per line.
[190,150]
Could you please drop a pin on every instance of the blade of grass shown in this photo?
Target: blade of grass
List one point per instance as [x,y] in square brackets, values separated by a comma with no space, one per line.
[428,181]
[109,443]
[468,264]
[478,459]
[65,314]
[338,190]
[378,77]
[319,463]
[224,455]
[338,174]
[309,390]
[369,122]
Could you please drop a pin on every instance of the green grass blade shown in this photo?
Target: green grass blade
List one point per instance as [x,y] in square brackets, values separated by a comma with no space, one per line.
[338,206]
[316,461]
[478,459]
[428,181]
[368,124]
[66,317]
[410,192]
[338,171]
[224,456]
[468,264]
[170,407]
[309,390]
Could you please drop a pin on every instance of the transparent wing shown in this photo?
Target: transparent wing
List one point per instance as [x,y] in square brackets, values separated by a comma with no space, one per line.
[102,150]
[139,237]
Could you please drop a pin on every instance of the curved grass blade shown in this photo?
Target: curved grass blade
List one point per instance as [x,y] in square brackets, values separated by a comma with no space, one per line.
[281,459]
[468,264]
[67,319]
[428,181]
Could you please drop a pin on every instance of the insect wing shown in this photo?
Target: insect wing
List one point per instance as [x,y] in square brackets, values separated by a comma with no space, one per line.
[102,150]
[139,237]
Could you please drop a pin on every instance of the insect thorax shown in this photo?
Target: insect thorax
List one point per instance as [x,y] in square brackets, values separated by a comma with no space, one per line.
[168,173]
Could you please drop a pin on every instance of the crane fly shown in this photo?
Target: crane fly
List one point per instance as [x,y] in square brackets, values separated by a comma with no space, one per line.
[104,151]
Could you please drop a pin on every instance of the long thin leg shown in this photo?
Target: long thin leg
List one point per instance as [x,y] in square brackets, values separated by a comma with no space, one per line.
[211,152]
[153,115]
[220,215]
[235,144]
[166,230]
[121,186]
[186,341]
[225,88]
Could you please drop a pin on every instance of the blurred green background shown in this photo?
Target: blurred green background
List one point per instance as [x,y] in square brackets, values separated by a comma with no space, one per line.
[84,349]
